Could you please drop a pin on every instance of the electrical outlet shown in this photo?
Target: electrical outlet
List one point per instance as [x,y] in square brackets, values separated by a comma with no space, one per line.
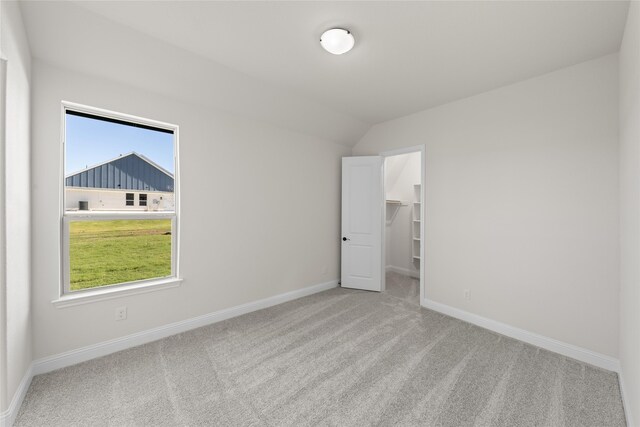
[467,294]
[121,313]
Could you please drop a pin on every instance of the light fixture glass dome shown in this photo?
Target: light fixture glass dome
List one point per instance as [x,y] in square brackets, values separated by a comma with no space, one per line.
[337,41]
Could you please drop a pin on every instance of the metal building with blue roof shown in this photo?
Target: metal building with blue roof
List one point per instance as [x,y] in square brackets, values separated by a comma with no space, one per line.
[129,182]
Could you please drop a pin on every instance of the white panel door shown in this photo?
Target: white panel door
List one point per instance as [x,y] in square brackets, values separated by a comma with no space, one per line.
[362,216]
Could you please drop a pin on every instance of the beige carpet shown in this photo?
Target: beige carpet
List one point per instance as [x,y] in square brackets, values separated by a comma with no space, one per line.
[341,358]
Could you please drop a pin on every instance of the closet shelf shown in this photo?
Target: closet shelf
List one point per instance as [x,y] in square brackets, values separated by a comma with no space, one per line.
[394,202]
[416,213]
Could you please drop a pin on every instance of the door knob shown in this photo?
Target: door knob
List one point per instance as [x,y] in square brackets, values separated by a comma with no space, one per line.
[344,239]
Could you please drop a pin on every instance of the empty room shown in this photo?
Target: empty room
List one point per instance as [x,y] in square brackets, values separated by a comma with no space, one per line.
[334,213]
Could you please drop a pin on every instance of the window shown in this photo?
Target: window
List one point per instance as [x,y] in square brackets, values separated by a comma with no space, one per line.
[109,157]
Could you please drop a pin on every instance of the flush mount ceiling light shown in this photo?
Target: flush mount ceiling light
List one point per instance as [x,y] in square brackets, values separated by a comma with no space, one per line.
[337,41]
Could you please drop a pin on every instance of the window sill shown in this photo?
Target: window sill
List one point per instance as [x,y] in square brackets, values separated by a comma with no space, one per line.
[97,295]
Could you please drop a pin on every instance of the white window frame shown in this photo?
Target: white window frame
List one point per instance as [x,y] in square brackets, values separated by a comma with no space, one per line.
[68,297]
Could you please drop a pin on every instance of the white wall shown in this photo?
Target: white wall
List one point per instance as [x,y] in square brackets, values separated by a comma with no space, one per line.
[17,314]
[522,202]
[264,222]
[401,173]
[107,199]
[630,212]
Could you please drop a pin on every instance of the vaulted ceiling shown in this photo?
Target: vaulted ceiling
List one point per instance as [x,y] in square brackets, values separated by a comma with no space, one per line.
[408,56]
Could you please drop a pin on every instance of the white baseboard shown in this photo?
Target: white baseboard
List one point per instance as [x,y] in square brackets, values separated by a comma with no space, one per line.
[73,357]
[625,401]
[405,271]
[8,417]
[565,349]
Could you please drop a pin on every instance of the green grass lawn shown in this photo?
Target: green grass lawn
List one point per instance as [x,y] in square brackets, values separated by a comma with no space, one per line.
[110,252]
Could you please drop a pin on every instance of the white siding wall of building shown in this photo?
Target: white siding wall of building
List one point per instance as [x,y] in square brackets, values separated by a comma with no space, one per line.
[101,199]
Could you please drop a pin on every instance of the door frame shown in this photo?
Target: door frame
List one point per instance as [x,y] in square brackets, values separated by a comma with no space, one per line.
[390,153]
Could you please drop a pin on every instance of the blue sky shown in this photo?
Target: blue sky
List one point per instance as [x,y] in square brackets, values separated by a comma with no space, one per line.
[91,141]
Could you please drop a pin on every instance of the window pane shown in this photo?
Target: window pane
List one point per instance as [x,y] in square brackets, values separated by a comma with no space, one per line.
[108,164]
[110,252]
